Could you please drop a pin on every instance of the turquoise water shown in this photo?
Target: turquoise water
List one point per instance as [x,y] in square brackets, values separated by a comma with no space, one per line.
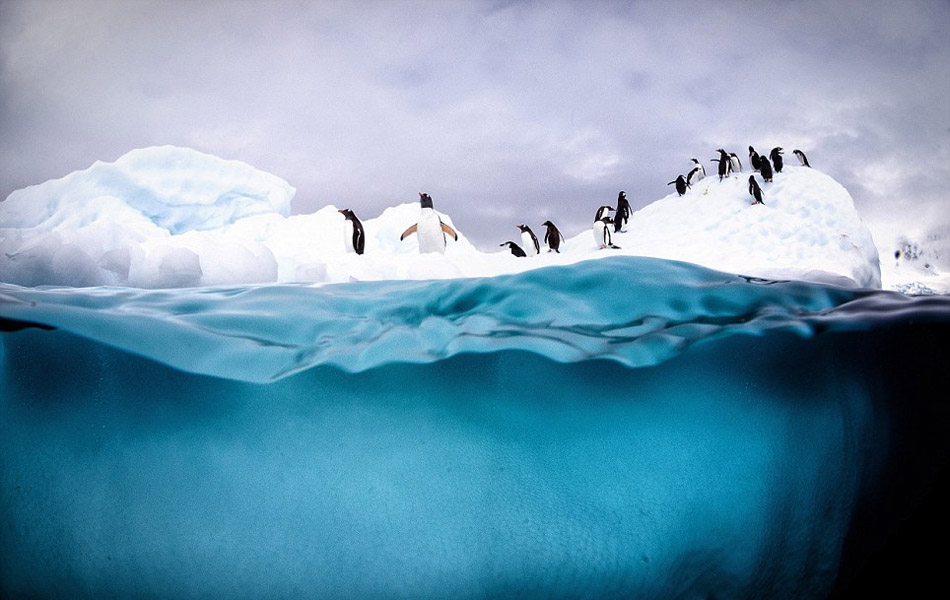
[619,428]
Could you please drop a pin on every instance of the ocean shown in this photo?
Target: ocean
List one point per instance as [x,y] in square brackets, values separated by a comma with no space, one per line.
[619,428]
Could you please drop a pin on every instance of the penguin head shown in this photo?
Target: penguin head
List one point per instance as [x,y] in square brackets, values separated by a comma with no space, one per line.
[523,227]
[548,224]
[425,200]
[347,213]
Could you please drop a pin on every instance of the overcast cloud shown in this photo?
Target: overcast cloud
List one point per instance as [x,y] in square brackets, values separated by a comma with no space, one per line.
[505,112]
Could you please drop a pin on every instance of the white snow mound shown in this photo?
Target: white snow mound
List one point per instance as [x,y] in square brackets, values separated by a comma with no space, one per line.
[174,217]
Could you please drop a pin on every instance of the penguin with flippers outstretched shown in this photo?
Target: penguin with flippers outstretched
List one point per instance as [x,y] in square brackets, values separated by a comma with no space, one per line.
[429,229]
[725,164]
[681,185]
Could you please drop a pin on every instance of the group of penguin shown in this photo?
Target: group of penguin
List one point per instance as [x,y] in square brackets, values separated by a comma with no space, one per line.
[729,163]
[430,229]
[532,247]
[601,228]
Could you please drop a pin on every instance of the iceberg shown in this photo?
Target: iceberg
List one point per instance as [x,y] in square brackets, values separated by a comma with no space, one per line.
[172,217]
[202,395]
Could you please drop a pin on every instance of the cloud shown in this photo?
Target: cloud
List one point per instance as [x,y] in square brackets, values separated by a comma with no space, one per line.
[515,108]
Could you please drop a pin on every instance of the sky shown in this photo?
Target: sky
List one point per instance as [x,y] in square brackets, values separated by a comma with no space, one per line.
[505,112]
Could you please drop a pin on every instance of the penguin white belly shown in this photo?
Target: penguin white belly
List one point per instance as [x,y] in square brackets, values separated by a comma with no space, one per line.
[348,236]
[600,233]
[528,244]
[429,232]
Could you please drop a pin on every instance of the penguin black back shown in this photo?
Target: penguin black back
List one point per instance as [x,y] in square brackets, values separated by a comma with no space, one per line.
[765,169]
[681,184]
[515,248]
[755,190]
[552,237]
[602,212]
[753,158]
[725,164]
[801,157]
[776,156]
[359,236]
[623,211]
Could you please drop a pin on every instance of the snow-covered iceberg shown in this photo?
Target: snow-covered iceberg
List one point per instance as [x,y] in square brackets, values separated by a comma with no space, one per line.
[173,217]
[627,427]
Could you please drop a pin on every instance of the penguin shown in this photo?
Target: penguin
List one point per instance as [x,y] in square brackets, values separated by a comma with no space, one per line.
[601,230]
[552,237]
[755,190]
[602,212]
[725,163]
[623,211]
[430,228]
[765,169]
[734,163]
[753,158]
[801,158]
[697,173]
[681,185]
[515,248]
[530,241]
[354,238]
[776,156]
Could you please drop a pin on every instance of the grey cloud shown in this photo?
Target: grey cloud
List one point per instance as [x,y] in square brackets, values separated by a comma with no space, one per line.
[504,109]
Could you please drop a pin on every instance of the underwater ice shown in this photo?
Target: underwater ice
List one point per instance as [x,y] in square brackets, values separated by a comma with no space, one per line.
[628,427]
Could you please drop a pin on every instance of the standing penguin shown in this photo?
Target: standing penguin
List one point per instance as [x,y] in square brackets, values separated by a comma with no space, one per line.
[530,241]
[765,169]
[734,163]
[755,190]
[515,248]
[681,185]
[753,158]
[776,156]
[354,239]
[696,174]
[430,228]
[601,230]
[623,212]
[552,237]
[725,163]
[602,212]
[801,157]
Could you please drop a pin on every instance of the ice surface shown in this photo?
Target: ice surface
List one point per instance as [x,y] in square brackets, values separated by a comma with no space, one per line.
[173,217]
